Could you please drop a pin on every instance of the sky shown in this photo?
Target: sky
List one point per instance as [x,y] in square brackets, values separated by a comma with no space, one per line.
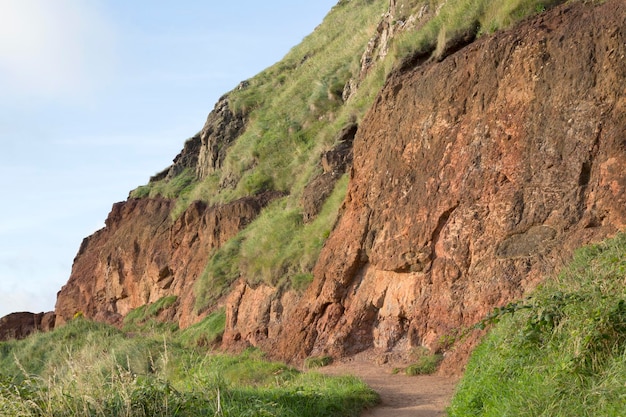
[96,96]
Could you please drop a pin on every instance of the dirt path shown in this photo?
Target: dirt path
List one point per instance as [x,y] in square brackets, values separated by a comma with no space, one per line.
[401,395]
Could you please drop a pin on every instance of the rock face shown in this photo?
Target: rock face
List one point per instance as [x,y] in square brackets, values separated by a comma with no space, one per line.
[205,151]
[334,164]
[20,325]
[186,159]
[473,177]
[143,255]
[222,127]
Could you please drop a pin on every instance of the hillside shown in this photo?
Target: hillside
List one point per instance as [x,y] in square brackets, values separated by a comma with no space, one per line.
[380,189]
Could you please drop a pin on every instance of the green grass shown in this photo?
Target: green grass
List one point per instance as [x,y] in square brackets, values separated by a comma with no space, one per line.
[458,18]
[90,369]
[206,333]
[146,317]
[562,351]
[426,363]
[277,249]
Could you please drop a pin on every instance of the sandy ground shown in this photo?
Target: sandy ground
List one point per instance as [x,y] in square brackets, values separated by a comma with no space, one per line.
[401,395]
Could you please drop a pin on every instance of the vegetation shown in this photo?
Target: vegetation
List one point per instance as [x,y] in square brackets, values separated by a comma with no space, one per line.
[277,249]
[317,362]
[146,316]
[426,363]
[462,18]
[90,369]
[562,351]
[206,333]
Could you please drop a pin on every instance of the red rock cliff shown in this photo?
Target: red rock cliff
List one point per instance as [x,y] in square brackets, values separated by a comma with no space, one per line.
[143,255]
[473,178]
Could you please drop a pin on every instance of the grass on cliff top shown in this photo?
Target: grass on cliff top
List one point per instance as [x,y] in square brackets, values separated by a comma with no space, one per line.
[90,369]
[562,351]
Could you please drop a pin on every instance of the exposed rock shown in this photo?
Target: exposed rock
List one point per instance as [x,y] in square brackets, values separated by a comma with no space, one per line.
[143,255]
[398,18]
[205,152]
[21,325]
[222,127]
[186,159]
[335,163]
[472,179]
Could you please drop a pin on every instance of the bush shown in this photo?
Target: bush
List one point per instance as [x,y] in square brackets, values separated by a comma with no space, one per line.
[426,364]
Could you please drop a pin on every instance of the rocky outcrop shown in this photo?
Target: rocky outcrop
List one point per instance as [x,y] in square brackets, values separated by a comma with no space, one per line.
[399,17]
[473,178]
[223,126]
[186,159]
[20,325]
[143,255]
[334,163]
[204,153]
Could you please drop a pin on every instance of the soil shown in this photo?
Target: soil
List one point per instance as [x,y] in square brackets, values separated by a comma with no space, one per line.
[400,395]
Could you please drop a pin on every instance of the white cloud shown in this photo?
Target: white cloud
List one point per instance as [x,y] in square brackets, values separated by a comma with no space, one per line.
[50,48]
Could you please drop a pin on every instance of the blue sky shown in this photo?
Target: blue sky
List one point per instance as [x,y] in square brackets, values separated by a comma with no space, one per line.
[98,95]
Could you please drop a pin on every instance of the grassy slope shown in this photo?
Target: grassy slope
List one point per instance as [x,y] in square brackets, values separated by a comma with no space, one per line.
[561,352]
[90,369]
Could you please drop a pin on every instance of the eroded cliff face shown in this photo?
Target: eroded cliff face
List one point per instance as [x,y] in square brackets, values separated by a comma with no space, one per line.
[473,179]
[143,255]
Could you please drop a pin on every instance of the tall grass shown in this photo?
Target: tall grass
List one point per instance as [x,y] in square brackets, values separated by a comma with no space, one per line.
[93,370]
[563,352]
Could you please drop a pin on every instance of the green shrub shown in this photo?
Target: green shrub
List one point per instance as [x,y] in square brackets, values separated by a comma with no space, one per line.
[426,363]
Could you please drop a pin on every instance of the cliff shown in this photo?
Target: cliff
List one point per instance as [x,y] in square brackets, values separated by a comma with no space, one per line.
[473,178]
[479,166]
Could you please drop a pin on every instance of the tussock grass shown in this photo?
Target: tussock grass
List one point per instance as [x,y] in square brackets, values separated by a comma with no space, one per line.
[563,350]
[207,332]
[94,370]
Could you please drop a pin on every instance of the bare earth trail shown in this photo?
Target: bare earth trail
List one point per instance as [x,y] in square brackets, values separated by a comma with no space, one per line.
[401,395]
